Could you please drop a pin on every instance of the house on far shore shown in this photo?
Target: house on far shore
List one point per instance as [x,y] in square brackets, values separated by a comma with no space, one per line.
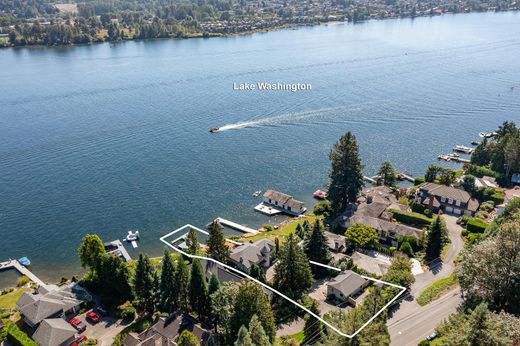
[54,332]
[346,287]
[277,202]
[260,253]
[166,331]
[447,199]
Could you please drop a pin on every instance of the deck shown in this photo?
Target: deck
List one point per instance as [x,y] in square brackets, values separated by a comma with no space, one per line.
[267,209]
[14,264]
[120,251]
[235,225]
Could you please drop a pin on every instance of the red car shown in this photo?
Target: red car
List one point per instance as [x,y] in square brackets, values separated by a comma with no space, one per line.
[79,340]
[76,323]
[92,317]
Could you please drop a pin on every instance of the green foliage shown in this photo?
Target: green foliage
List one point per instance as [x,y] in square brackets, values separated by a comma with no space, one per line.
[400,271]
[198,291]
[436,238]
[192,242]
[257,273]
[127,312]
[322,208]
[293,275]
[187,338]
[479,171]
[418,181]
[361,236]
[407,249]
[476,226]
[243,337]
[257,332]
[468,184]
[317,249]
[346,177]
[268,227]
[223,309]
[16,336]
[214,284]
[463,219]
[436,289]
[181,287]
[22,281]
[146,284]
[91,251]
[251,300]
[387,174]
[137,327]
[216,243]
[313,329]
[445,176]
[112,280]
[418,208]
[411,218]
[167,284]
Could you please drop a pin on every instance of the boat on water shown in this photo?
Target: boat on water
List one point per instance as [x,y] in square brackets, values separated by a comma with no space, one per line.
[214,129]
[475,143]
[132,236]
[24,261]
[487,134]
[320,194]
[463,149]
[257,193]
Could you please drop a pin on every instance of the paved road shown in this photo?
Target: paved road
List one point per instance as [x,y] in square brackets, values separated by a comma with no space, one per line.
[411,322]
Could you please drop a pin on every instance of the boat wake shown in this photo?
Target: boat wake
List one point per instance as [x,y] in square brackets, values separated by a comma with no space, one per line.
[288,118]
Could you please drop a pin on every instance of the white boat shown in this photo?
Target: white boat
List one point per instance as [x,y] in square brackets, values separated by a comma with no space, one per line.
[463,149]
[132,236]
[257,193]
[487,134]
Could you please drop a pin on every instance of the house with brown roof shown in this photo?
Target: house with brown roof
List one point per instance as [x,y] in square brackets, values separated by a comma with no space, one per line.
[166,332]
[283,202]
[446,199]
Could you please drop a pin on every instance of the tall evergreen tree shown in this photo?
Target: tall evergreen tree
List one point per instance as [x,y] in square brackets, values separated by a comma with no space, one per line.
[317,249]
[251,300]
[181,288]
[192,242]
[313,329]
[257,332]
[387,174]
[293,275]
[436,238]
[214,284]
[244,338]
[199,298]
[346,177]
[257,273]
[146,284]
[216,243]
[167,284]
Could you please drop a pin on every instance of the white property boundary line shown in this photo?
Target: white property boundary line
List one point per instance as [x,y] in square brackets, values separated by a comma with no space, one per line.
[403,289]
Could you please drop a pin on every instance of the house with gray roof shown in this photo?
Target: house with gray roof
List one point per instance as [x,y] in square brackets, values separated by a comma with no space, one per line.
[260,253]
[346,286]
[50,301]
[447,199]
[283,202]
[54,332]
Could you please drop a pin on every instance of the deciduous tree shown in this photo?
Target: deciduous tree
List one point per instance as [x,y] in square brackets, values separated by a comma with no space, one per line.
[361,236]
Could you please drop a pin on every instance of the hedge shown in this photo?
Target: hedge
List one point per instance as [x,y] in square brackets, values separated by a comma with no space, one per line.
[411,218]
[476,226]
[17,337]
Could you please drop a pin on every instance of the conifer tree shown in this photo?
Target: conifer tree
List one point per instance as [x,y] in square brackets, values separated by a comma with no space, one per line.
[244,338]
[436,238]
[313,330]
[167,284]
[181,288]
[293,275]
[146,284]
[317,249]
[192,242]
[257,332]
[214,284]
[216,243]
[346,178]
[387,174]
[198,291]
[257,273]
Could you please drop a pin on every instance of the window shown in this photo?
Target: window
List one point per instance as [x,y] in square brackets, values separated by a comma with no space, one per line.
[289,208]
[457,203]
[443,199]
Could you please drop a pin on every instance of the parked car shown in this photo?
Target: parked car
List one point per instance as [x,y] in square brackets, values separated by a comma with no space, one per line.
[431,336]
[79,340]
[92,317]
[76,323]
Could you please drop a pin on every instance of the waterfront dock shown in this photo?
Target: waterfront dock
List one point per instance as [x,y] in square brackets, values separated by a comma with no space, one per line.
[14,264]
[451,157]
[404,176]
[117,248]
[235,225]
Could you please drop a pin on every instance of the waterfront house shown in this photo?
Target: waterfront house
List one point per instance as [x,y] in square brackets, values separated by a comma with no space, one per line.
[346,287]
[166,331]
[54,332]
[283,203]
[222,273]
[50,301]
[260,253]
[446,199]
[336,242]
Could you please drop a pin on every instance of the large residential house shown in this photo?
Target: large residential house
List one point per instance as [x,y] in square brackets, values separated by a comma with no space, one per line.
[260,253]
[372,210]
[284,202]
[336,242]
[50,301]
[346,286]
[54,332]
[446,199]
[166,332]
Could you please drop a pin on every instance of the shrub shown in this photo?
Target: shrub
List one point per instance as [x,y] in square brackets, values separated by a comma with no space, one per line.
[487,206]
[418,208]
[411,218]
[465,232]
[127,312]
[474,237]
[411,240]
[322,208]
[479,171]
[427,212]
[482,215]
[268,227]
[17,337]
[476,226]
[498,197]
[22,281]
[418,181]
[463,220]
[407,249]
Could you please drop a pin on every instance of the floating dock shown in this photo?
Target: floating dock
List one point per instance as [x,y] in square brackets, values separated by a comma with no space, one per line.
[267,209]
[451,157]
[404,176]
[14,264]
[119,249]
[235,225]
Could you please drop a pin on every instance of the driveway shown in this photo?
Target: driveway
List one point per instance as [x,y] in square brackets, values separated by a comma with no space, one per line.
[104,331]
[410,322]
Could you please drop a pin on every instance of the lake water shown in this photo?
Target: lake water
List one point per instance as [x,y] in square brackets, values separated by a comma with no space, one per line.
[108,138]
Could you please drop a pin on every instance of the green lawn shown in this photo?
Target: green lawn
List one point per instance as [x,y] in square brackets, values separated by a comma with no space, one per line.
[283,231]
[8,301]
[4,40]
[298,336]
[437,289]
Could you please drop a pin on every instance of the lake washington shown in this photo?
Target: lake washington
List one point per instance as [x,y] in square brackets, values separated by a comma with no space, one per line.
[110,138]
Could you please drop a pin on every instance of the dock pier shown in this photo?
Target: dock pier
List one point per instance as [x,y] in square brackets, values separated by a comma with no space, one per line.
[235,225]
[14,264]
[404,176]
